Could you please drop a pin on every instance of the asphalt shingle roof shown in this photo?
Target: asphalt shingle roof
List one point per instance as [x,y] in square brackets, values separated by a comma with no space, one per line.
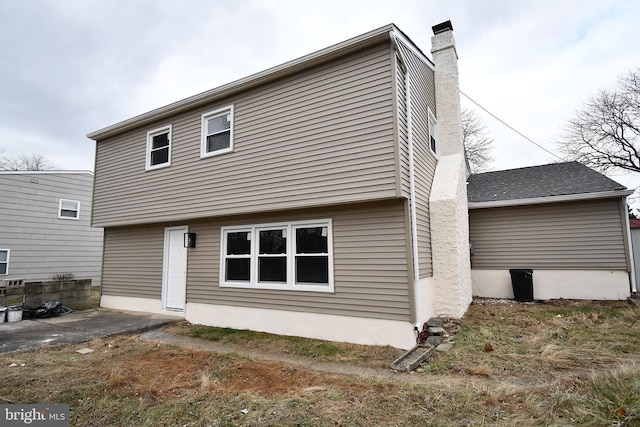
[557,179]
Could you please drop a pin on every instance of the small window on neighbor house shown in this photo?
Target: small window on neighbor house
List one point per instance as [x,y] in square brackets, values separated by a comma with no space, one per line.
[4,262]
[217,132]
[159,148]
[69,209]
[433,132]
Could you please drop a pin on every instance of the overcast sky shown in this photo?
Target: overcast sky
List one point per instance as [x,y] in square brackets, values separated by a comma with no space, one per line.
[69,67]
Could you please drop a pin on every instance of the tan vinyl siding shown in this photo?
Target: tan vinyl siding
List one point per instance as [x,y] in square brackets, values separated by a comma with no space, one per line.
[582,235]
[320,137]
[422,96]
[370,267]
[132,263]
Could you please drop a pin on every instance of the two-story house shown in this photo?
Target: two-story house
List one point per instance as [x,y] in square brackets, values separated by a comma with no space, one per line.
[325,197]
[45,229]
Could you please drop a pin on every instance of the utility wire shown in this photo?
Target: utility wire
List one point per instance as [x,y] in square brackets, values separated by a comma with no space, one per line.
[510,127]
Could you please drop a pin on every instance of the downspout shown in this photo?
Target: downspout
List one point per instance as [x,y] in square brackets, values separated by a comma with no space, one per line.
[412,191]
[630,259]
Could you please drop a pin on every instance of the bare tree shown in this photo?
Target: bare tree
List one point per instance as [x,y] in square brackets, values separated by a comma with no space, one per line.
[605,133]
[31,162]
[478,144]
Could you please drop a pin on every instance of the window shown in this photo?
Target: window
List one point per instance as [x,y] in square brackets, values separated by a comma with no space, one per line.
[4,262]
[68,209]
[433,131]
[217,132]
[295,255]
[159,148]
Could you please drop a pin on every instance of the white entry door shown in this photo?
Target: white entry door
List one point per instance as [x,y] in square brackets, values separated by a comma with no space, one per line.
[174,275]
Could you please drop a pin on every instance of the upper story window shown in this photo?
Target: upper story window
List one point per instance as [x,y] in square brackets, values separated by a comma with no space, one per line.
[159,148]
[217,132]
[433,132]
[69,209]
[296,256]
[4,261]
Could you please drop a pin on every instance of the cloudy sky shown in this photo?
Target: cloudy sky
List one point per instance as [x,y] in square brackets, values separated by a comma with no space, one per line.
[69,67]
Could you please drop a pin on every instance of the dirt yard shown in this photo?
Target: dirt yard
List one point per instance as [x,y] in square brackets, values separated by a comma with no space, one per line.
[563,363]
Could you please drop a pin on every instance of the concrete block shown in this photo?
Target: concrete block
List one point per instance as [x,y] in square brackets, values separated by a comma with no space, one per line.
[435,322]
[14,290]
[48,287]
[434,340]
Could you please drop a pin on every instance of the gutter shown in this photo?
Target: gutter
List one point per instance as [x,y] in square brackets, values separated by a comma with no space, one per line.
[549,199]
[277,72]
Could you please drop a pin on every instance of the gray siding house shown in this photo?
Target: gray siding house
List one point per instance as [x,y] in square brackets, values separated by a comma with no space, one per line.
[300,200]
[566,222]
[45,228]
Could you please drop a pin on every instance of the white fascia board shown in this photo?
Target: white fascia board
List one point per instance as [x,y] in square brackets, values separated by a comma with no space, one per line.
[245,83]
[550,199]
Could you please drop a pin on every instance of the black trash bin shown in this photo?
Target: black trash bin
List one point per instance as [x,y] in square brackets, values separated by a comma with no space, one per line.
[522,283]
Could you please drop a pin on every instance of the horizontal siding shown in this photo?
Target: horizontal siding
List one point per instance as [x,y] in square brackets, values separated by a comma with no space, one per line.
[322,136]
[370,266]
[422,88]
[42,244]
[576,235]
[132,263]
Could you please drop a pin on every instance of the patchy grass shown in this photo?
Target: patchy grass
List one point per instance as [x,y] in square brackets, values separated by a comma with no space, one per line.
[562,364]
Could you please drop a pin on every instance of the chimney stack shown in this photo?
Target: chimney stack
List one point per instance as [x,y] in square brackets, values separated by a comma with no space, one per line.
[445,58]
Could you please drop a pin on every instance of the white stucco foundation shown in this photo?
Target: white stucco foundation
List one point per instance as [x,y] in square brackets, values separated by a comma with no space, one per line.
[145,305]
[356,330]
[556,284]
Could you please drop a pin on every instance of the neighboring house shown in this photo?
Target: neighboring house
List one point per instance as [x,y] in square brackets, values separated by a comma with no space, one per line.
[565,221]
[634,224]
[45,228]
[315,198]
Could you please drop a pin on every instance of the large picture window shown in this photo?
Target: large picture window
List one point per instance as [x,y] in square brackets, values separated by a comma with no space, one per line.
[217,132]
[296,255]
[159,148]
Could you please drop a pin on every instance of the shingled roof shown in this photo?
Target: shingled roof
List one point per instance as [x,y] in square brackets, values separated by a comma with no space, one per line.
[557,180]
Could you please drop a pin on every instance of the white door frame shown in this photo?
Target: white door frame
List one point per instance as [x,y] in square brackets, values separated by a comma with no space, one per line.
[165,266]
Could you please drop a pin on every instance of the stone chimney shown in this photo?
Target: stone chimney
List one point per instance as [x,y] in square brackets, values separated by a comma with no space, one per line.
[445,58]
[449,220]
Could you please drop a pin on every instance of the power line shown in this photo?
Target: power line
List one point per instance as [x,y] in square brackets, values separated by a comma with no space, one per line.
[511,127]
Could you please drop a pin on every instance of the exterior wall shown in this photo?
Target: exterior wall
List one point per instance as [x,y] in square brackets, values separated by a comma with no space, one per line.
[40,243]
[555,284]
[422,98]
[635,241]
[319,137]
[370,264]
[581,235]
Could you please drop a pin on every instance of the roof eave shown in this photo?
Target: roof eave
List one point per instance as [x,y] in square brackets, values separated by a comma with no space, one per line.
[248,82]
[549,199]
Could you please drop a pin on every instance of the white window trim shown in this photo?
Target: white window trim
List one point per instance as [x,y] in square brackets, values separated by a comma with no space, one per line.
[77,202]
[203,132]
[164,129]
[290,285]
[433,128]
[6,262]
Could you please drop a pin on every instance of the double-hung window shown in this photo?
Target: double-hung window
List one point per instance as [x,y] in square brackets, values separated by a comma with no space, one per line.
[159,148]
[217,132]
[4,262]
[68,209]
[296,255]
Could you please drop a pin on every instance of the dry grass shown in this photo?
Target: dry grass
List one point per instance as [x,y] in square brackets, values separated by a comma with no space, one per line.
[562,364]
